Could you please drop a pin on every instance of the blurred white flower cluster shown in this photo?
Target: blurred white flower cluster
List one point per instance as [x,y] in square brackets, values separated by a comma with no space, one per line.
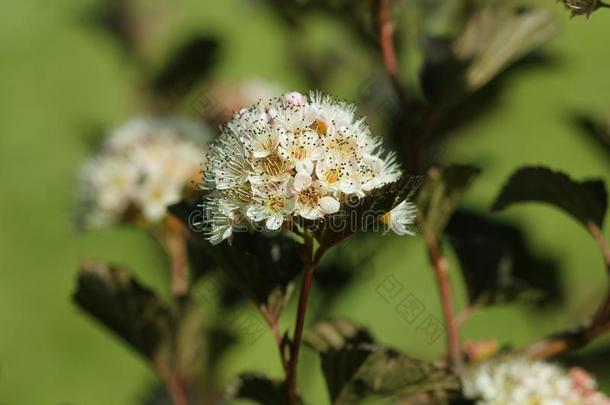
[142,168]
[518,381]
[293,156]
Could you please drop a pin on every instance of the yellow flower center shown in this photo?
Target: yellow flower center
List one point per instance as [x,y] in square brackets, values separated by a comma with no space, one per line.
[272,165]
[332,176]
[275,203]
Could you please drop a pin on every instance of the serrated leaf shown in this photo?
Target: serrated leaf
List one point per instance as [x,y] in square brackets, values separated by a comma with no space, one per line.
[355,367]
[364,214]
[439,197]
[125,307]
[497,263]
[186,67]
[500,34]
[364,370]
[257,387]
[585,201]
[262,266]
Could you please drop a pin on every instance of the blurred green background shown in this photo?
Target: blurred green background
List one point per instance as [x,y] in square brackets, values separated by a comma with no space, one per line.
[59,77]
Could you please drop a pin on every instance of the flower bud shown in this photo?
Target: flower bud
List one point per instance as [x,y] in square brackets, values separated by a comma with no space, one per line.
[582,7]
[293,99]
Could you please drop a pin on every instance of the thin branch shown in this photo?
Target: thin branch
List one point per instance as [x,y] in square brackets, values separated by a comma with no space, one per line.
[388,48]
[441,271]
[310,266]
[176,390]
[275,331]
[579,336]
[172,235]
[386,39]
[467,312]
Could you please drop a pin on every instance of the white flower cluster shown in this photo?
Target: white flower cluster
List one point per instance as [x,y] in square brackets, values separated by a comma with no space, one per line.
[518,381]
[141,168]
[293,156]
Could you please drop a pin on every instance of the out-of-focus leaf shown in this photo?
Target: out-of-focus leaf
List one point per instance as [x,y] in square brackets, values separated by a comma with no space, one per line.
[364,214]
[357,15]
[439,197]
[186,67]
[355,367]
[171,340]
[220,340]
[336,334]
[442,74]
[116,18]
[262,266]
[127,308]
[500,34]
[597,132]
[585,201]
[189,340]
[497,263]
[258,388]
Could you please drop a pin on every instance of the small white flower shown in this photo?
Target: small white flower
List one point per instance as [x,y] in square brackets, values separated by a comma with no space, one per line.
[313,203]
[142,166]
[296,156]
[520,381]
[400,218]
[272,204]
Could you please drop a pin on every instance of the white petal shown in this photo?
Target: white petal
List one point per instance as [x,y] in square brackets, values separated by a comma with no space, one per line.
[329,205]
[313,213]
[260,153]
[227,233]
[274,222]
[154,211]
[304,166]
[301,181]
[257,212]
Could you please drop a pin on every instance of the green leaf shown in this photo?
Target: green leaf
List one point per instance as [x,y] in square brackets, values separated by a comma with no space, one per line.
[258,388]
[127,308]
[585,201]
[355,367]
[439,197]
[364,214]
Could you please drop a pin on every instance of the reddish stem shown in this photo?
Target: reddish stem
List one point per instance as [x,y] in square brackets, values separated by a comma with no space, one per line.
[275,330]
[441,271]
[172,235]
[388,49]
[295,347]
[291,376]
[386,38]
[175,389]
